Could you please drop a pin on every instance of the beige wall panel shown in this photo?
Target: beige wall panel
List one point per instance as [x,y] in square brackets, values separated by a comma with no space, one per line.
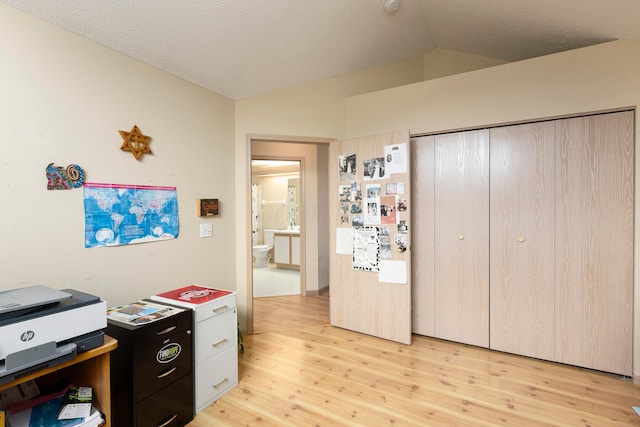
[462,237]
[594,244]
[359,301]
[522,239]
[423,194]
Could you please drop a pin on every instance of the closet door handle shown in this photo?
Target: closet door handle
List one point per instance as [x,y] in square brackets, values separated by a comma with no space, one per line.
[460,236]
[520,239]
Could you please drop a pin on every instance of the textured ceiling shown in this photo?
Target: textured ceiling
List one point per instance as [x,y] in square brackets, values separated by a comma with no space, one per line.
[241,48]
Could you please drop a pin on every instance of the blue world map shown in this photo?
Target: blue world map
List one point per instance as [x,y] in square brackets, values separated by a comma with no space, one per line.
[127,214]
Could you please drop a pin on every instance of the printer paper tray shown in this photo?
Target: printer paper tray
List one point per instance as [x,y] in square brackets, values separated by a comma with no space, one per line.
[32,359]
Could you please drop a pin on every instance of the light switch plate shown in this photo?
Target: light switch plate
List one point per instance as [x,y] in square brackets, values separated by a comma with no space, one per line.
[206,230]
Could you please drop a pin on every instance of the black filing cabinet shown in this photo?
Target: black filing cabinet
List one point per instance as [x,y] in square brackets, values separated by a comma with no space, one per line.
[152,372]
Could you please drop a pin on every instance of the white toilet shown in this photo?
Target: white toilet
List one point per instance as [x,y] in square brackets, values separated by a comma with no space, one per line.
[263,254]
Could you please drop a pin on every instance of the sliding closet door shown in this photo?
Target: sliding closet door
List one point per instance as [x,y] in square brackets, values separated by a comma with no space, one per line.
[423,188]
[594,272]
[522,239]
[462,237]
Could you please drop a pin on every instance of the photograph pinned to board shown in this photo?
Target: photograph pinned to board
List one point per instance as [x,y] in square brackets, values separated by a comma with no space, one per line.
[366,248]
[347,167]
[401,242]
[385,243]
[357,221]
[402,205]
[356,192]
[373,191]
[344,193]
[344,213]
[354,197]
[391,188]
[403,227]
[372,204]
[373,212]
[373,168]
[395,157]
[388,214]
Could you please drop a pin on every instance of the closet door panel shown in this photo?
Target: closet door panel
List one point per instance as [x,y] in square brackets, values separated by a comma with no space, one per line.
[522,224]
[594,293]
[423,151]
[462,237]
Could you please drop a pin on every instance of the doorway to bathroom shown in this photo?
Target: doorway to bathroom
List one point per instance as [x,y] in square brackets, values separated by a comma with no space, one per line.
[308,237]
[275,227]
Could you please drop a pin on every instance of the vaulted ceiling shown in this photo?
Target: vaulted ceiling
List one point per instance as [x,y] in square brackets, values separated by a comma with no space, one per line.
[241,48]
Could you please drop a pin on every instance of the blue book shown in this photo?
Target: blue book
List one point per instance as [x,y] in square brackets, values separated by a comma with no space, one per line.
[46,415]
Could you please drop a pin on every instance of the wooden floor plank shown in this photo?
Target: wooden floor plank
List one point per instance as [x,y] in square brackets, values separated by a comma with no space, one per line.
[304,372]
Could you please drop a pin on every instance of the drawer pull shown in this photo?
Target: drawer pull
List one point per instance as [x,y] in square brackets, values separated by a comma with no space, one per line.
[220,383]
[219,309]
[222,341]
[169,420]
[166,330]
[167,372]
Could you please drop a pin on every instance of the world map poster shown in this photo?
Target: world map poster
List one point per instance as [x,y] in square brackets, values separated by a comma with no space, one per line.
[118,214]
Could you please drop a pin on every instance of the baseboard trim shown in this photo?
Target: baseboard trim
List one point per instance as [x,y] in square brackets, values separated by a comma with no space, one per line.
[319,292]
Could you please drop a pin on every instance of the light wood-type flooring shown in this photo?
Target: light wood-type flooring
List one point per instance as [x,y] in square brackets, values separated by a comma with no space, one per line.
[300,371]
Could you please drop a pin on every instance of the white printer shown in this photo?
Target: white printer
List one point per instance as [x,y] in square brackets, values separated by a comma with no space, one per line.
[41,327]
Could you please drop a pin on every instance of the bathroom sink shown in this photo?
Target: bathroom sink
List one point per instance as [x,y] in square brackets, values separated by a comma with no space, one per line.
[288,231]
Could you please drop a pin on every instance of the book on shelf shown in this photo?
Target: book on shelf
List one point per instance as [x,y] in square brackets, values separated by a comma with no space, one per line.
[46,411]
[76,403]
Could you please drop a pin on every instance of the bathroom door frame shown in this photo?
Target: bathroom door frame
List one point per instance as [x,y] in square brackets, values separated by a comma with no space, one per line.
[249,254]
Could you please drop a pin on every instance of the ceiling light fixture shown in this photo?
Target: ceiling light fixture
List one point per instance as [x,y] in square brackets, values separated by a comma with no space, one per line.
[391,6]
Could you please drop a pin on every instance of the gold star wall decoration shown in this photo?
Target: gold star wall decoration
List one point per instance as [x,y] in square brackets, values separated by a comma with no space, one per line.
[135,142]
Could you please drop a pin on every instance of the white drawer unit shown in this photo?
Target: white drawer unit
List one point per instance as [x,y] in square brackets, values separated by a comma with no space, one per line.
[215,339]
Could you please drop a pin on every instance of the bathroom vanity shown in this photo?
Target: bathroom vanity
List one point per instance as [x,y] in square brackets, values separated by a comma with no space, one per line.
[286,252]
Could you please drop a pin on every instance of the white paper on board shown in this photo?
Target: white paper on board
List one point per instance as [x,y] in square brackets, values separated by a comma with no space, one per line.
[396,158]
[393,272]
[344,241]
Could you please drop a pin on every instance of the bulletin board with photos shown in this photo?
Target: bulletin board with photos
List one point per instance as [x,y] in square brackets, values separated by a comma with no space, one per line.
[370,222]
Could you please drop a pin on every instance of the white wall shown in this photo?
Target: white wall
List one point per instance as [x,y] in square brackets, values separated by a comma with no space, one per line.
[444,62]
[63,99]
[595,78]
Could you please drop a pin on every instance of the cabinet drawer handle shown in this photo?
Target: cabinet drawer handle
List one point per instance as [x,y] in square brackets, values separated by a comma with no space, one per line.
[166,330]
[222,341]
[167,372]
[220,383]
[219,309]
[166,423]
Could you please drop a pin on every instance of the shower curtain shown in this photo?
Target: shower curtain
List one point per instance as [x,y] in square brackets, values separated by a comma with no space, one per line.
[256,220]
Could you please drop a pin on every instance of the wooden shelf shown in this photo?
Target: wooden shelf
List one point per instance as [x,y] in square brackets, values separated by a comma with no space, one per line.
[91,368]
